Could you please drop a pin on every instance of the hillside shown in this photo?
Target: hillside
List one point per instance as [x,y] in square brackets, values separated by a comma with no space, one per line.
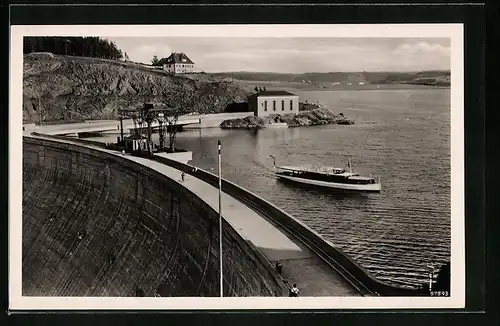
[70,88]
[432,78]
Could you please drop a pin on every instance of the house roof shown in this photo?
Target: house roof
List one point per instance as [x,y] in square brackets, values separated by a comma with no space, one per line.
[178,58]
[274,93]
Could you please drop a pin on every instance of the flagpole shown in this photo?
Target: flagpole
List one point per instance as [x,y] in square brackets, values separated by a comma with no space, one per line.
[220,218]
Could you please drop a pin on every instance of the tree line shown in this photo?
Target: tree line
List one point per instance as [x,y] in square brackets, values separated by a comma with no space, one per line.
[158,62]
[89,46]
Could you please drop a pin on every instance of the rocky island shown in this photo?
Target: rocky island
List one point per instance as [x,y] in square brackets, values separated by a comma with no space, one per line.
[309,115]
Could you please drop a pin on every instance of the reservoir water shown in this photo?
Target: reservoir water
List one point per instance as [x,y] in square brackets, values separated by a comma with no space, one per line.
[403,136]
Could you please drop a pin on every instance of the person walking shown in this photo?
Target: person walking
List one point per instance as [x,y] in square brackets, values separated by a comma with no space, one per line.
[183,175]
[294,291]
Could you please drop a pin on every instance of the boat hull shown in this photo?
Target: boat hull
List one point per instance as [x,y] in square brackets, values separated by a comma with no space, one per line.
[374,187]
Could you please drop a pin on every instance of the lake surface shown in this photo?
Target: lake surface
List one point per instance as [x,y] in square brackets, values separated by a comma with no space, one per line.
[403,136]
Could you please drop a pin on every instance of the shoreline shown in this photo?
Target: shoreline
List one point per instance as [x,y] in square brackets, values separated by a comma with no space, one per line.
[249,85]
[213,120]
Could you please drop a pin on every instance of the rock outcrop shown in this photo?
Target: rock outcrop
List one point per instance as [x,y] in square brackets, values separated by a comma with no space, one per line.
[69,88]
[251,122]
[318,116]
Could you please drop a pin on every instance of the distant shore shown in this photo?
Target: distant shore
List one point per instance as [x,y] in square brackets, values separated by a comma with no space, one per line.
[249,86]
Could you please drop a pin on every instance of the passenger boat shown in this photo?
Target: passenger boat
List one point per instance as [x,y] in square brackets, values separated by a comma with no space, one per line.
[328,176]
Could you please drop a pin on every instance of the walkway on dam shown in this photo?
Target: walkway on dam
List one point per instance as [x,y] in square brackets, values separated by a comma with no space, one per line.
[195,121]
[300,265]
[313,276]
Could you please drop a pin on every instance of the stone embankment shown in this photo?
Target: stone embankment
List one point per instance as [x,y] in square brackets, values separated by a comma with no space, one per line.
[316,116]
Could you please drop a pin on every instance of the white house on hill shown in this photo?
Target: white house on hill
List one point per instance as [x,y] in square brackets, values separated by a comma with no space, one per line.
[273,102]
[178,63]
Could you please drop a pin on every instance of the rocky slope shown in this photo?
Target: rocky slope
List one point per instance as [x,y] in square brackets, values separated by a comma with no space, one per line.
[316,116]
[75,88]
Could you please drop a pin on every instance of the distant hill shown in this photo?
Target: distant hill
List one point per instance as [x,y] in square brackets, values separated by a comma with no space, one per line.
[432,77]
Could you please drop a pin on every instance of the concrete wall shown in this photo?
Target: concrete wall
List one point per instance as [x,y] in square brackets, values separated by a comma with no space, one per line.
[260,108]
[184,157]
[143,233]
[214,120]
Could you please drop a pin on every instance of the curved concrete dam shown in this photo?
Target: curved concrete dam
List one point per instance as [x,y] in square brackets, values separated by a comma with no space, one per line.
[97,224]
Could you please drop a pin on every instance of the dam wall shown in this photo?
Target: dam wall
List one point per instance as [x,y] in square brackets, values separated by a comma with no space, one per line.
[98,224]
[358,276]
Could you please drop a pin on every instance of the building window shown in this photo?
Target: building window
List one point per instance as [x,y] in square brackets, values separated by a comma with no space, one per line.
[265,105]
[282,105]
[274,105]
[291,105]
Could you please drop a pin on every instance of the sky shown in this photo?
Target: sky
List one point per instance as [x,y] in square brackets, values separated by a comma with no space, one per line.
[295,55]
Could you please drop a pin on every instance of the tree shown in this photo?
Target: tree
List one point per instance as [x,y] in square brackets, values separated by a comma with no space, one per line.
[80,46]
[184,98]
[179,101]
[443,278]
[256,89]
[155,61]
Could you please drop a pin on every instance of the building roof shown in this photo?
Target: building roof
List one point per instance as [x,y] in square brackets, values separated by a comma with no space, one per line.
[274,93]
[178,58]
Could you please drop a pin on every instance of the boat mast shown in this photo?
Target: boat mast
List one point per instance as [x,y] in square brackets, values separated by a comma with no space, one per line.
[274,160]
[220,219]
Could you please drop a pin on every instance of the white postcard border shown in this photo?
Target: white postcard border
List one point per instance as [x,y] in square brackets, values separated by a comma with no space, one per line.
[452,31]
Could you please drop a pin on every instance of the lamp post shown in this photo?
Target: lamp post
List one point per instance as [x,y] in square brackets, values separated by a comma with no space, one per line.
[121,127]
[160,127]
[220,217]
[431,277]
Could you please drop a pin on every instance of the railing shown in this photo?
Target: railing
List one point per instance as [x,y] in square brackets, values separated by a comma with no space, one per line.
[355,274]
[78,140]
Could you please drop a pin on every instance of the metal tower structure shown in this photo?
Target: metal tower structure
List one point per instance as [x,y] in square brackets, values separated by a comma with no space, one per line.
[144,117]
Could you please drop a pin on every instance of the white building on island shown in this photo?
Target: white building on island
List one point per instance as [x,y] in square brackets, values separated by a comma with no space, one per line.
[273,102]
